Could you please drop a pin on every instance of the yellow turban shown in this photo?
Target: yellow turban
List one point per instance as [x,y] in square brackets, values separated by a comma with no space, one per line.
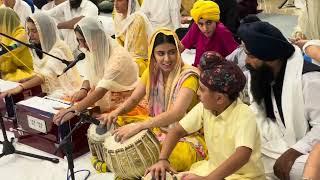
[207,10]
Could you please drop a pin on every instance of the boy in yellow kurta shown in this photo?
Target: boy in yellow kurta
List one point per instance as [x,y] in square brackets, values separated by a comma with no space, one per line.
[16,64]
[230,129]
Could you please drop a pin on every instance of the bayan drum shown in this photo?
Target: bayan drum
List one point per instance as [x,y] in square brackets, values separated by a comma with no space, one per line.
[95,141]
[130,159]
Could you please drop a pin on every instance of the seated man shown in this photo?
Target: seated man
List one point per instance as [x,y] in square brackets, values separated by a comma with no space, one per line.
[285,90]
[43,34]
[132,31]
[51,4]
[70,13]
[230,128]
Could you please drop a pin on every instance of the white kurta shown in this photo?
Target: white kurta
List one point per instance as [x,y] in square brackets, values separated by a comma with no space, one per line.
[300,108]
[65,13]
[164,13]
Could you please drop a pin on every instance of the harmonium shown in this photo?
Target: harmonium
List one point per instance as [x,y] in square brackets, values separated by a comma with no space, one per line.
[36,127]
[7,104]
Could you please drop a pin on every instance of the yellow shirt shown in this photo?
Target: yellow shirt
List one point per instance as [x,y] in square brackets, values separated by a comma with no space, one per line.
[192,83]
[233,128]
[19,67]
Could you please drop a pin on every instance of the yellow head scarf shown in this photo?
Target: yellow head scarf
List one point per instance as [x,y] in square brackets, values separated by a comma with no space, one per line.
[206,10]
[9,21]
[180,69]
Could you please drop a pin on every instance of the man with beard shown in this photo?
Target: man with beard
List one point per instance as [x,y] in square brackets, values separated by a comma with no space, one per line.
[284,88]
[68,14]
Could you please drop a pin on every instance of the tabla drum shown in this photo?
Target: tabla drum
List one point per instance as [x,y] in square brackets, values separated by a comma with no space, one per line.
[95,142]
[130,159]
[168,177]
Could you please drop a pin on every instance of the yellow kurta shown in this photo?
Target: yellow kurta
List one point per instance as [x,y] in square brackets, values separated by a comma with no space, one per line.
[234,128]
[135,40]
[11,68]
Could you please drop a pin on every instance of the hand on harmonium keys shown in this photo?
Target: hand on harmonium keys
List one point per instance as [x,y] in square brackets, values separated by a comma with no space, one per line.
[79,95]
[63,115]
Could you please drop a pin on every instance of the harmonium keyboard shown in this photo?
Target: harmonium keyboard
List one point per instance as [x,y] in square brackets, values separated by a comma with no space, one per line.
[36,127]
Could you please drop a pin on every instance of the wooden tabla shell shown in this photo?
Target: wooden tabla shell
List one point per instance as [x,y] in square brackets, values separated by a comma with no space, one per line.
[130,159]
[95,142]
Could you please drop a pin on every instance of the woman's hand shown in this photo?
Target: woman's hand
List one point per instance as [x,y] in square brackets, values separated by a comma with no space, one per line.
[10,92]
[79,95]
[109,119]
[63,115]
[125,132]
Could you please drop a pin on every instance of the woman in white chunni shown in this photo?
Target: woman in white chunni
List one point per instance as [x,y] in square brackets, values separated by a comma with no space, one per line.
[43,34]
[111,74]
[132,30]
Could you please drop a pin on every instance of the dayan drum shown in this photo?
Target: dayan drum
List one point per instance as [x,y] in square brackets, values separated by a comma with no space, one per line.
[95,141]
[168,177]
[130,159]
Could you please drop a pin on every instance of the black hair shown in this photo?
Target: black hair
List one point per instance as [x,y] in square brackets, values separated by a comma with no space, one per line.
[162,38]
[30,20]
[78,29]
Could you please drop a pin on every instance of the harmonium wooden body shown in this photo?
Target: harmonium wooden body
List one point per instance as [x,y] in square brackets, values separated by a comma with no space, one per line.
[36,127]
[7,104]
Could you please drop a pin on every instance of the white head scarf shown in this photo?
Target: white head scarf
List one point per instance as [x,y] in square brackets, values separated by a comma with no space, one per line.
[99,45]
[47,30]
[121,23]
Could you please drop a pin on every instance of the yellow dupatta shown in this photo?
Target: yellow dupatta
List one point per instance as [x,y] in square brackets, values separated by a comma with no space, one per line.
[161,96]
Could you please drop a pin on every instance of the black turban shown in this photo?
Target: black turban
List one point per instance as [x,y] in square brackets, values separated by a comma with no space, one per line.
[264,41]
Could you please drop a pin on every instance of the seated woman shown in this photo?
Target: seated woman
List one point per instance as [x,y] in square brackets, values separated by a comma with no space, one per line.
[111,73]
[43,34]
[207,33]
[15,64]
[170,87]
[132,30]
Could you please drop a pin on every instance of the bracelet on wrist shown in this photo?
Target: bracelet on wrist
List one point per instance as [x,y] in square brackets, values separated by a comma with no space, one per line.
[21,86]
[164,159]
[87,90]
